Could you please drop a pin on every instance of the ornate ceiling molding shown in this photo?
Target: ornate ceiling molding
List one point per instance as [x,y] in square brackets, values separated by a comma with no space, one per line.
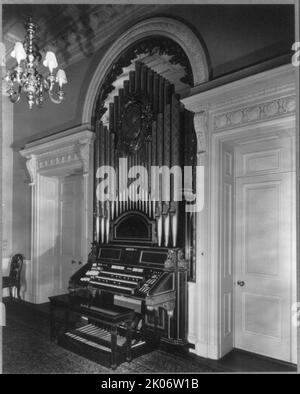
[76,31]
[162,26]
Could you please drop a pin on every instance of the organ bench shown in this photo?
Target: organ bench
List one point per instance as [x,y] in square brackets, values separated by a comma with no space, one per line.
[93,341]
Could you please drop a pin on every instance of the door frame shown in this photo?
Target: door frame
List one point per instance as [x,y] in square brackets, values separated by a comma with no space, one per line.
[55,156]
[217,141]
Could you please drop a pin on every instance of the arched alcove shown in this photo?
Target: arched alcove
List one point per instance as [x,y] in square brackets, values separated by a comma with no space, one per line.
[159,26]
[189,54]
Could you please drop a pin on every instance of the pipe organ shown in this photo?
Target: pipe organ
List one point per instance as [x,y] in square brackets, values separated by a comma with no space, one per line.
[144,126]
[142,244]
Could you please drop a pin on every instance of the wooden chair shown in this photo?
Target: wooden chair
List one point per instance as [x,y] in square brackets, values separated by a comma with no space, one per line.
[14,278]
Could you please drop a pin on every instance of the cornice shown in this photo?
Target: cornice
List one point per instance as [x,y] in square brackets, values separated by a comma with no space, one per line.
[70,150]
[279,82]
[59,142]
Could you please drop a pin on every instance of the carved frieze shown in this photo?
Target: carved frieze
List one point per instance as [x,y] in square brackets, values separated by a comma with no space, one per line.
[57,160]
[268,110]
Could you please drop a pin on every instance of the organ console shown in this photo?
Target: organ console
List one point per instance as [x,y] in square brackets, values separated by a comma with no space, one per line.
[137,271]
[141,278]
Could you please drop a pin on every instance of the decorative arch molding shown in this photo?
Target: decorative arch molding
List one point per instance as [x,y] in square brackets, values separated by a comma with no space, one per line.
[159,26]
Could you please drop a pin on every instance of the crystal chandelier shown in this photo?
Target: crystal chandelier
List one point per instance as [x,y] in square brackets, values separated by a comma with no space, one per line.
[25,76]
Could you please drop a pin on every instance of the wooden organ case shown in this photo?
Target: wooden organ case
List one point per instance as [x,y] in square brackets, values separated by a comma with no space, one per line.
[141,254]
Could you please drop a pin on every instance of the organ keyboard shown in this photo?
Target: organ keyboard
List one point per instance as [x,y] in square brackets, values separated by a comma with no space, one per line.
[144,274]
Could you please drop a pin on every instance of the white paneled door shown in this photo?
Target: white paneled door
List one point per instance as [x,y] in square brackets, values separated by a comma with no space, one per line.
[70,212]
[263,267]
[45,270]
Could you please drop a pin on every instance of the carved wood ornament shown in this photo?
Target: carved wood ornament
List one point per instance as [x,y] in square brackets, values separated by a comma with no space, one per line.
[135,125]
[149,46]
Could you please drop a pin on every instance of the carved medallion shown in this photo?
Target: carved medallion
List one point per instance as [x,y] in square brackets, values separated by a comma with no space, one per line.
[135,125]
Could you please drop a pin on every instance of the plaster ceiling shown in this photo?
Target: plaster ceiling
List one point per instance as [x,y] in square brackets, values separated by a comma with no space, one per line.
[74,30]
[236,37]
[77,31]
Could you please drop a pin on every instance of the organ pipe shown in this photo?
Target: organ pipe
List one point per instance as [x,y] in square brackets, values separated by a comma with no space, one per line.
[161,147]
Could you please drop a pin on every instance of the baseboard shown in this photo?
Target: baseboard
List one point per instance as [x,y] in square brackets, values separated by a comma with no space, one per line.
[200,349]
[204,350]
[266,358]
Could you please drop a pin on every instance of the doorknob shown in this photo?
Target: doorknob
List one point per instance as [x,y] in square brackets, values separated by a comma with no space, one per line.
[241,283]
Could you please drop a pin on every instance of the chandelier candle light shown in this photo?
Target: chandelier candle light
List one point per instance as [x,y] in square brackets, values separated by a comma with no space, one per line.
[25,77]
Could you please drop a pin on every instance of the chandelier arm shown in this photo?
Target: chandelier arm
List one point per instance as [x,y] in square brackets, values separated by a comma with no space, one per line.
[53,99]
[15,96]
